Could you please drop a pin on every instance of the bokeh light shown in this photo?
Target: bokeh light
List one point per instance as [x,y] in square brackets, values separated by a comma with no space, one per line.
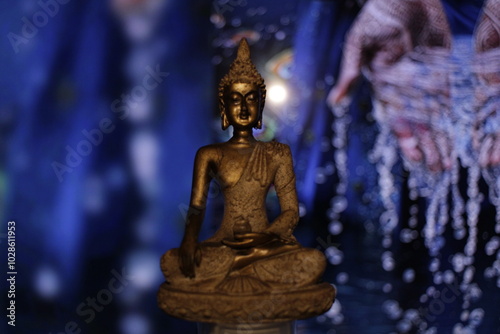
[277,93]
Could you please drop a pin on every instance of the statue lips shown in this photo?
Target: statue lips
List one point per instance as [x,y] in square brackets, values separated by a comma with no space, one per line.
[244,114]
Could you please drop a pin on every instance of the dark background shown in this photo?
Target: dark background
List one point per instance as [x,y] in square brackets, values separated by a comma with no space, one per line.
[91,228]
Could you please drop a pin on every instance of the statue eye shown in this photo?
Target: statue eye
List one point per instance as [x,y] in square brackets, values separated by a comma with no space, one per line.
[235,99]
[252,98]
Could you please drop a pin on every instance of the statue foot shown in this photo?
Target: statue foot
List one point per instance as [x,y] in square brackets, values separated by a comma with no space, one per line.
[295,269]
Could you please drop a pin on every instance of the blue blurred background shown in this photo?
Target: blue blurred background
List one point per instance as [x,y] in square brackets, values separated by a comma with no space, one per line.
[103,105]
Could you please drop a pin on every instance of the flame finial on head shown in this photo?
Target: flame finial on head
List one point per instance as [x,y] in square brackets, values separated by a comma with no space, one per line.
[243,50]
[243,70]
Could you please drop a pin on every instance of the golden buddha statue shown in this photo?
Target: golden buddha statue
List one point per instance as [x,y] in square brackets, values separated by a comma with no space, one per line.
[247,256]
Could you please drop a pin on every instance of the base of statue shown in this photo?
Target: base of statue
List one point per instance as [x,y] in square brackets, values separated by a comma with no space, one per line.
[271,328]
[263,308]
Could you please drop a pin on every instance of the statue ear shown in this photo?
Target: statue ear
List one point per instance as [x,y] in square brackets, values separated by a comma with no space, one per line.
[262,102]
[224,121]
[259,123]
[223,117]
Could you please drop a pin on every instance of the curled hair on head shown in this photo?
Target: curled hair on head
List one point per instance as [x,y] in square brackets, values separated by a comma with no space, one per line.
[242,70]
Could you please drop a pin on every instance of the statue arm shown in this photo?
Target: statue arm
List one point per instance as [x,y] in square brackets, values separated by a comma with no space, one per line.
[284,183]
[203,165]
[189,252]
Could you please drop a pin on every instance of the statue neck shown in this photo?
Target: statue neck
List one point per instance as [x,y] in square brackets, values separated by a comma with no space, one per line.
[243,137]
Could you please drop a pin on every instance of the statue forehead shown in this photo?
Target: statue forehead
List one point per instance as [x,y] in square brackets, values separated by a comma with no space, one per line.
[242,87]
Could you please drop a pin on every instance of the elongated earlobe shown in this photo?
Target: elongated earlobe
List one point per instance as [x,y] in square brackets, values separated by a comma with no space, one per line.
[259,124]
[224,121]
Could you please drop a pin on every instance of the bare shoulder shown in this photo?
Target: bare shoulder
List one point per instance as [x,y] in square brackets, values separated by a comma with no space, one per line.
[208,153]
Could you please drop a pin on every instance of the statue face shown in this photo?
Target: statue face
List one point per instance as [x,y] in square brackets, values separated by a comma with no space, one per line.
[242,105]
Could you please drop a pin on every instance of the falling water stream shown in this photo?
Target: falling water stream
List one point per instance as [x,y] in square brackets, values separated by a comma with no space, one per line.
[447,204]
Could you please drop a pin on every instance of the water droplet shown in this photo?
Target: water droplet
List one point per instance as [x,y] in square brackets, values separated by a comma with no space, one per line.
[272,28]
[411,315]
[338,203]
[330,168]
[409,275]
[261,10]
[216,60]
[438,278]
[407,235]
[459,233]
[404,326]
[335,310]
[458,262]
[285,20]
[448,277]
[430,291]
[338,319]
[476,317]
[335,227]
[302,210]
[342,278]
[280,35]
[321,319]
[251,12]
[392,309]
[464,316]
[431,330]
[475,292]
[492,245]
[469,274]
[47,282]
[387,242]
[489,273]
[236,22]
[388,262]
[413,222]
[320,176]
[218,20]
[434,266]
[334,255]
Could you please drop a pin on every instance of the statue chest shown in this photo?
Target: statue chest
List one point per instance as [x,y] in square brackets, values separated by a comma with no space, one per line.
[248,170]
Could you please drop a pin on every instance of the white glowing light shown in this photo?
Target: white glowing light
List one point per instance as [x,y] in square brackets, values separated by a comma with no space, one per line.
[47,283]
[277,93]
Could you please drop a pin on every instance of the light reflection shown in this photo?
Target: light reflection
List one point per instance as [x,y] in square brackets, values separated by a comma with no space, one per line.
[335,313]
[342,278]
[47,283]
[335,227]
[94,197]
[409,275]
[277,93]
[334,255]
[135,324]
[144,152]
[143,266]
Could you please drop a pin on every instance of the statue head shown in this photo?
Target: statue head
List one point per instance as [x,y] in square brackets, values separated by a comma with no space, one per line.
[241,71]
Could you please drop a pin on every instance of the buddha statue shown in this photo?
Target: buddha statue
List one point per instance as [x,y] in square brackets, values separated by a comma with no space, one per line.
[248,258]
